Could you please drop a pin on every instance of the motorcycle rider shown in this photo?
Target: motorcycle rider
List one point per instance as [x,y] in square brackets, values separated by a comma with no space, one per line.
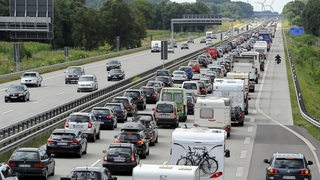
[278,58]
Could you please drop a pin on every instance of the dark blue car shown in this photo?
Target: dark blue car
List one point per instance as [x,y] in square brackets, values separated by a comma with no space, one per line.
[119,110]
[188,70]
[107,117]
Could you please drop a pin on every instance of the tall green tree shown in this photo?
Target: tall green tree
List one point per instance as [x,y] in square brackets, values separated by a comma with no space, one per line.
[311,17]
[293,11]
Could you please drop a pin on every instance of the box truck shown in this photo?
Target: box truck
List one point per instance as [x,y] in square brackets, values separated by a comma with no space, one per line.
[200,146]
[213,113]
[155,46]
[165,172]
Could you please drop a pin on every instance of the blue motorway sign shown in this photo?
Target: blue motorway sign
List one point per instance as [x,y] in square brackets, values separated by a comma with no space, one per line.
[296,31]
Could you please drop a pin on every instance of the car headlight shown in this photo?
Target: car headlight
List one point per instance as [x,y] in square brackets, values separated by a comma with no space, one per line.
[21,94]
[109,75]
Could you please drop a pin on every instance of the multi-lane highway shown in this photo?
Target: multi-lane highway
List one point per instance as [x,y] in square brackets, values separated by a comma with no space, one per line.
[268,127]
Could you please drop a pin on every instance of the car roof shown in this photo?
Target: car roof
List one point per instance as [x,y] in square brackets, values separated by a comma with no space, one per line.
[166,102]
[111,103]
[75,131]
[89,168]
[28,149]
[288,155]
[88,75]
[121,145]
[104,108]
[30,72]
[131,125]
[80,113]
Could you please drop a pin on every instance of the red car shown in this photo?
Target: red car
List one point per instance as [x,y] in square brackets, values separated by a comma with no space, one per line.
[195,65]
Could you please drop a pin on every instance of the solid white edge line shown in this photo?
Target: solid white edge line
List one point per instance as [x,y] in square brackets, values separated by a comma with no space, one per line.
[308,143]
[95,163]
[7,111]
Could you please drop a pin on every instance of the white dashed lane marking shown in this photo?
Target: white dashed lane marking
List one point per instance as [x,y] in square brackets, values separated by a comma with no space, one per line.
[239,171]
[246,140]
[7,111]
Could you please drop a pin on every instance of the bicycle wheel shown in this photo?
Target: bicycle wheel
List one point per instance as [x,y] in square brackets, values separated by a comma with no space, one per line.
[209,165]
[184,161]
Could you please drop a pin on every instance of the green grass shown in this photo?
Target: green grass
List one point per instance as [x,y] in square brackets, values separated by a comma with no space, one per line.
[310,90]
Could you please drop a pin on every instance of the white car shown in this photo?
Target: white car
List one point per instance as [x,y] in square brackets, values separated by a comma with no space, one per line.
[31,78]
[6,172]
[87,83]
[86,123]
[179,76]
[170,49]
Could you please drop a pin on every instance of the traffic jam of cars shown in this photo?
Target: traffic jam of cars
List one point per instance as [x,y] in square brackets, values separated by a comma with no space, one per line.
[214,87]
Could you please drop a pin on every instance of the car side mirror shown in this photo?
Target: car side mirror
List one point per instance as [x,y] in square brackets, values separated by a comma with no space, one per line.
[227,153]
[104,151]
[266,161]
[310,163]
[115,136]
[114,178]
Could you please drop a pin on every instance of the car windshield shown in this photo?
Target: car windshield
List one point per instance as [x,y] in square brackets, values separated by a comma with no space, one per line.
[15,88]
[116,71]
[164,108]
[29,75]
[79,118]
[113,62]
[27,155]
[64,136]
[85,175]
[100,111]
[74,70]
[86,78]
[289,163]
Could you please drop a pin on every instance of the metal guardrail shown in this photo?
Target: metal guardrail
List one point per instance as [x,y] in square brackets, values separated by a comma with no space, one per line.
[303,110]
[18,133]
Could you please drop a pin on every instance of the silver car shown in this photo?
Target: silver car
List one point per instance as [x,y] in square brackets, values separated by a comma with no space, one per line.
[87,83]
[31,78]
[86,123]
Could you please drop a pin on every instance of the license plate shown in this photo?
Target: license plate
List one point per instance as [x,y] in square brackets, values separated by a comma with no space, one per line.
[62,144]
[164,115]
[25,165]
[78,126]
[288,177]
[14,97]
[119,159]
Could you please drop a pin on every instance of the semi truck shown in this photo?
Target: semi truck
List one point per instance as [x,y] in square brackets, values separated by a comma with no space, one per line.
[200,146]
[209,35]
[246,64]
[165,172]
[265,36]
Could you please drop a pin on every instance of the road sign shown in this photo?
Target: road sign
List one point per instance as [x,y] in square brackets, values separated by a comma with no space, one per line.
[16,52]
[296,31]
[66,51]
[164,50]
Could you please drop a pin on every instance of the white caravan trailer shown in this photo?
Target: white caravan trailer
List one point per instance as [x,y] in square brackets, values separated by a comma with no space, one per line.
[202,147]
[165,172]
[213,113]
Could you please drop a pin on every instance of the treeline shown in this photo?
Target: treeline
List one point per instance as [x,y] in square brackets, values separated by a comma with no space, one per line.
[304,15]
[93,23]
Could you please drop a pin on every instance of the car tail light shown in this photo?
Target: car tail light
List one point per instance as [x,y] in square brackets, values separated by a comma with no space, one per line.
[216,175]
[306,171]
[198,92]
[240,115]
[175,114]
[127,105]
[154,95]
[117,141]
[74,142]
[203,90]
[140,98]
[140,142]
[109,117]
[51,141]
[132,158]
[121,113]
[190,104]
[90,125]
[12,164]
[105,157]
[66,125]
[154,111]
[273,171]
[38,165]
[228,128]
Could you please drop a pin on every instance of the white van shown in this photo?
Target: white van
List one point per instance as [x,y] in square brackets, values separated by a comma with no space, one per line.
[193,87]
[165,172]
[213,113]
[209,144]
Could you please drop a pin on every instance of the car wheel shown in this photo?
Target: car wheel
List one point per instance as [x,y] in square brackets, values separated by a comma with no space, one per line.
[152,143]
[78,90]
[53,171]
[25,99]
[6,100]
[98,135]
[79,154]
[145,106]
[66,82]
[156,140]
[45,177]
[143,156]
[39,84]
[93,138]
[147,153]
[241,124]
[85,151]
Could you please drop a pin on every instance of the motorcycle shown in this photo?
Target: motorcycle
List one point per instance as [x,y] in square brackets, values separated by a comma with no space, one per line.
[278,60]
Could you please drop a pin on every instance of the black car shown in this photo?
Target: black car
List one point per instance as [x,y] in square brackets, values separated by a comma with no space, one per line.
[136,127]
[128,104]
[32,162]
[185,46]
[151,94]
[106,116]
[148,115]
[163,72]
[237,116]
[166,80]
[119,110]
[67,141]
[137,96]
[120,157]
[203,40]
[135,138]
[88,173]
[288,166]
[116,74]
[113,64]
[17,93]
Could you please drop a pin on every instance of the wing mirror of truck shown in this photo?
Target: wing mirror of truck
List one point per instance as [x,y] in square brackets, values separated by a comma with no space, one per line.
[227,153]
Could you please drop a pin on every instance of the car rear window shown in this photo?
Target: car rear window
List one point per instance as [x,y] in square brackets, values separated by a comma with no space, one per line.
[119,151]
[114,107]
[131,94]
[289,163]
[164,108]
[129,137]
[85,175]
[100,111]
[123,101]
[190,86]
[79,118]
[147,90]
[25,155]
[63,136]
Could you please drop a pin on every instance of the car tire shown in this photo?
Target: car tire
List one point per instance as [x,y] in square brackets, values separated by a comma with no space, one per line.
[112,127]
[241,124]
[98,135]
[53,171]
[45,177]
[143,156]
[25,99]
[66,82]
[152,143]
[78,90]
[156,141]
[148,152]
[6,100]
[93,138]
[79,154]
[85,151]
